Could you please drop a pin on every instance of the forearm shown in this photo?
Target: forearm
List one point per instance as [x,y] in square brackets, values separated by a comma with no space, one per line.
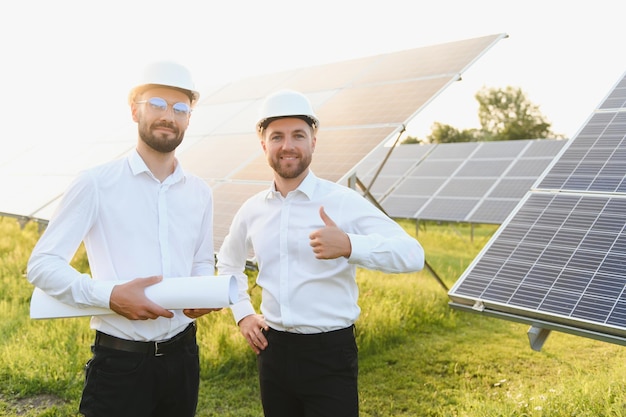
[392,255]
[56,277]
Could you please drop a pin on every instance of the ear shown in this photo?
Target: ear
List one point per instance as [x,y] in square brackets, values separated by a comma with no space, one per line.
[263,145]
[133,110]
[313,143]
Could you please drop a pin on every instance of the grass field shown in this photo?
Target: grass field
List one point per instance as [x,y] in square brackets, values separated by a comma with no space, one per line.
[418,357]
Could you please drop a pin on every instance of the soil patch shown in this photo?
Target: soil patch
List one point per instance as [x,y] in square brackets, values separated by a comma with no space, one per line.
[28,404]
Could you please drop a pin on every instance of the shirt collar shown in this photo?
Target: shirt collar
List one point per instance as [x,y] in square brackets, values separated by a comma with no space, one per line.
[306,187]
[138,166]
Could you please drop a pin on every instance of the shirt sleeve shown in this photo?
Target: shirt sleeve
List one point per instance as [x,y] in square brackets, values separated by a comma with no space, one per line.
[49,264]
[378,242]
[231,260]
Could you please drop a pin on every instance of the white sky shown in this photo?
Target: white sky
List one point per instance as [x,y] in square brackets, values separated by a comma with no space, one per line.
[68,65]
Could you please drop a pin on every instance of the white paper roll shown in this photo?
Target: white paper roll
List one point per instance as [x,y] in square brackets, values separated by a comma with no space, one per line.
[172,294]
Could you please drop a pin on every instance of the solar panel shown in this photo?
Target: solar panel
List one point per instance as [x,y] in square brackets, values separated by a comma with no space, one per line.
[559,261]
[474,182]
[595,162]
[362,104]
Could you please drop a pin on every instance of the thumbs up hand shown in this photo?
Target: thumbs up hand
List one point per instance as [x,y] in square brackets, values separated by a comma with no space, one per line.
[329,242]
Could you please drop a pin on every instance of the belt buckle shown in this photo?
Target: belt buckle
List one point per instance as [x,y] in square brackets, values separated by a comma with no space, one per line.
[156,349]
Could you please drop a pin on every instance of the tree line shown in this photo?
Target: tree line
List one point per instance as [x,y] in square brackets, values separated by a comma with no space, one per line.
[504,114]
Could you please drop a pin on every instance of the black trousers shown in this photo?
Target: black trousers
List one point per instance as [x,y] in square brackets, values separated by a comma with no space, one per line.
[120,383]
[311,375]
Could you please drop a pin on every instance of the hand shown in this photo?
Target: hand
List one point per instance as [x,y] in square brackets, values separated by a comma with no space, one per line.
[250,327]
[194,313]
[129,300]
[330,242]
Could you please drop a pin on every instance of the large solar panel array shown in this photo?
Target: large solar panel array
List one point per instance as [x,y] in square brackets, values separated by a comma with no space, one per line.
[559,261]
[475,182]
[361,103]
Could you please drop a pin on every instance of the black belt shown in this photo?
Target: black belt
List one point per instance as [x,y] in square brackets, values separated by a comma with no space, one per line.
[331,338]
[159,348]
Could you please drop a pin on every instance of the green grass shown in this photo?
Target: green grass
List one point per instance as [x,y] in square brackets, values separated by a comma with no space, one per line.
[418,357]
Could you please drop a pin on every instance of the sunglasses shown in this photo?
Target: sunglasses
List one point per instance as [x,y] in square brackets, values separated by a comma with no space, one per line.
[160,105]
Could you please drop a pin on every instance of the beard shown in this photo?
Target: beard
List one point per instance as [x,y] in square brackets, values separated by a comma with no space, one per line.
[161,142]
[289,169]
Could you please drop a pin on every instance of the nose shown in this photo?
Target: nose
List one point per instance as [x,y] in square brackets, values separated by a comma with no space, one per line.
[168,114]
[288,143]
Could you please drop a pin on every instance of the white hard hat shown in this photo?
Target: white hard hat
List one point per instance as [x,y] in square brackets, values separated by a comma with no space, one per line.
[168,74]
[286,103]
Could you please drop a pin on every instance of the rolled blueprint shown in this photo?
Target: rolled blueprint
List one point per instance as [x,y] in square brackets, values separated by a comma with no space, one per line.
[171,293]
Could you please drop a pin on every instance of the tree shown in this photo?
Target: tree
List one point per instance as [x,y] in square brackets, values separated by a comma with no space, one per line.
[411,139]
[506,114]
[442,133]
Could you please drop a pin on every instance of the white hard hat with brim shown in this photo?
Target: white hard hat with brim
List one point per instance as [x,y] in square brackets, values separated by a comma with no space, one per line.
[166,74]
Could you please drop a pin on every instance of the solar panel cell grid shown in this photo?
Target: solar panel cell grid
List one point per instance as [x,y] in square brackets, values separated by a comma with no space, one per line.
[222,156]
[380,186]
[492,211]
[447,209]
[433,168]
[378,104]
[425,187]
[593,162]
[329,76]
[437,59]
[546,149]
[465,187]
[504,149]
[495,174]
[528,167]
[403,207]
[484,168]
[511,188]
[413,153]
[617,317]
[550,258]
[398,167]
[458,151]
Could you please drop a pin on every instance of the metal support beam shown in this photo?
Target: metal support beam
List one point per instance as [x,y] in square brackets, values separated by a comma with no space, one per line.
[537,337]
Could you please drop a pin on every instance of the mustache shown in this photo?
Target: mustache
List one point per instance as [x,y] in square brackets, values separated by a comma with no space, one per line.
[288,154]
[165,124]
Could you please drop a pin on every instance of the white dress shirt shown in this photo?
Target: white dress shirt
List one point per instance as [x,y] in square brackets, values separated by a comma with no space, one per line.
[133,226]
[302,294]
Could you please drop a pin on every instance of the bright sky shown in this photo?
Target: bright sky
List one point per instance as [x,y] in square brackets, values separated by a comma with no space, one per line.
[68,65]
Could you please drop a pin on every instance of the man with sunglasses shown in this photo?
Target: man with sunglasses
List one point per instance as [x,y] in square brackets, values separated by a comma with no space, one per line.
[142,219]
[308,236]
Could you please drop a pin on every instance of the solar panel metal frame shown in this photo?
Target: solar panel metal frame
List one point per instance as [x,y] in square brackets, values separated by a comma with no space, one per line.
[558,261]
